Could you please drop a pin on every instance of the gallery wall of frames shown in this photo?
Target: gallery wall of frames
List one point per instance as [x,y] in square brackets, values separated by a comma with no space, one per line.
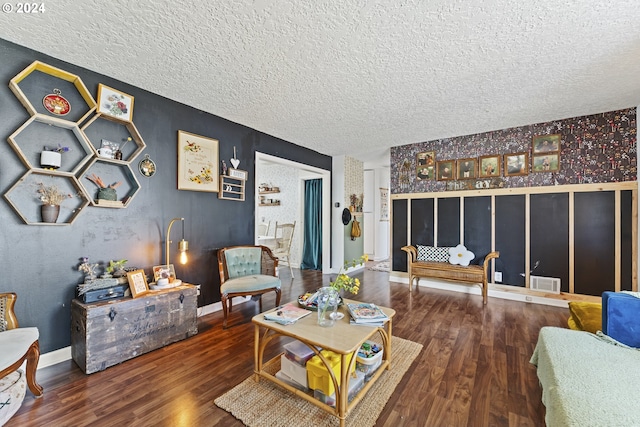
[557,199]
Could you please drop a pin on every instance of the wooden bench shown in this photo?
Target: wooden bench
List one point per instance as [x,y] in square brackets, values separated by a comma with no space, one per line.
[473,274]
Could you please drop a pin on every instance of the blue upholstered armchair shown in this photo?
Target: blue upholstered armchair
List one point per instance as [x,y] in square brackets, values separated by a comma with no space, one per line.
[244,271]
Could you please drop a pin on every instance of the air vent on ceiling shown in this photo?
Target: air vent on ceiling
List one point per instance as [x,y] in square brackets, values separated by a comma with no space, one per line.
[545,284]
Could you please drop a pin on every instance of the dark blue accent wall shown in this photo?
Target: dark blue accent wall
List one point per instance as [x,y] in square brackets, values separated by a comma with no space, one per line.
[39,262]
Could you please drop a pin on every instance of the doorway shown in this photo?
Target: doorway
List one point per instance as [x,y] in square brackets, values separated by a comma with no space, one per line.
[289,177]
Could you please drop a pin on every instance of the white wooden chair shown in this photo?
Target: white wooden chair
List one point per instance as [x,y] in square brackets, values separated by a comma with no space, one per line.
[284,237]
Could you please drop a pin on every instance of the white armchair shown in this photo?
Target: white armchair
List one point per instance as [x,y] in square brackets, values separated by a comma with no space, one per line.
[17,345]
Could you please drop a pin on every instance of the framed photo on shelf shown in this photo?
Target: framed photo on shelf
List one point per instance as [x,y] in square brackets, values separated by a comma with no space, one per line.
[467,168]
[137,283]
[114,103]
[489,166]
[445,170]
[545,143]
[549,162]
[164,272]
[516,164]
[197,162]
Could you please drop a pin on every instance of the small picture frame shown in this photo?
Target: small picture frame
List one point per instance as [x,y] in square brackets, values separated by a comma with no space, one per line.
[446,170]
[237,173]
[489,166]
[114,103]
[164,272]
[467,169]
[425,172]
[516,164]
[137,283]
[545,143]
[426,158]
[548,162]
[108,149]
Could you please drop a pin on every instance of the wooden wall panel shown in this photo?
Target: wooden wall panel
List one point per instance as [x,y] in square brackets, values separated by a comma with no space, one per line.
[594,241]
[477,226]
[626,243]
[549,236]
[399,209]
[449,221]
[422,222]
[510,238]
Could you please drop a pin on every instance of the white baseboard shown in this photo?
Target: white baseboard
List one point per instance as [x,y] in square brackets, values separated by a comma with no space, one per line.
[495,293]
[63,354]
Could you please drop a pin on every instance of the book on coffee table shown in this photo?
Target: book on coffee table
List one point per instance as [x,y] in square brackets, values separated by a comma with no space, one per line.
[287,314]
[366,313]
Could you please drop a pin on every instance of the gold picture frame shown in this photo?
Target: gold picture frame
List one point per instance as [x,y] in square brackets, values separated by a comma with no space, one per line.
[516,164]
[467,168]
[446,170]
[114,103]
[489,166]
[137,283]
[546,143]
[197,162]
[547,162]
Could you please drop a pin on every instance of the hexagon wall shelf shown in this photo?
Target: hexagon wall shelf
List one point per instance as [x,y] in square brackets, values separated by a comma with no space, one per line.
[102,126]
[39,131]
[110,171]
[38,80]
[23,196]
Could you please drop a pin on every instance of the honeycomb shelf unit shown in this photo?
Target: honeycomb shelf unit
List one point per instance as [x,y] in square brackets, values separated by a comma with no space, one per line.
[104,127]
[23,196]
[38,80]
[110,171]
[29,140]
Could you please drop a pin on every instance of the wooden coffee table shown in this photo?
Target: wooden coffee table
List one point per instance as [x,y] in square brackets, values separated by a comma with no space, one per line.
[342,338]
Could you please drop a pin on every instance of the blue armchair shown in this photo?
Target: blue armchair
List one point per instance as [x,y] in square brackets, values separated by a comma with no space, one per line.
[245,271]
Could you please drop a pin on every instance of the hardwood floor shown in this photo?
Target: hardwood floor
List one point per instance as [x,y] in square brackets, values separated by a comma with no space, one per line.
[473,371]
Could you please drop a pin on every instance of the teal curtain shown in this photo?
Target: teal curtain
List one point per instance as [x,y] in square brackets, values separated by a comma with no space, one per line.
[312,246]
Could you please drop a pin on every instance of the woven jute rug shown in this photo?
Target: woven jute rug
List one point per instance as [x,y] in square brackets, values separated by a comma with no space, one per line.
[265,404]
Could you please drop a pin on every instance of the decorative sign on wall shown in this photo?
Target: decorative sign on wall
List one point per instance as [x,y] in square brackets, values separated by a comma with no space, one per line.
[197,162]
[384,204]
[477,184]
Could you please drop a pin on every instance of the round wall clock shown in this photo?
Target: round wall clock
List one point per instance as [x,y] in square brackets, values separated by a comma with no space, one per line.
[147,167]
[57,104]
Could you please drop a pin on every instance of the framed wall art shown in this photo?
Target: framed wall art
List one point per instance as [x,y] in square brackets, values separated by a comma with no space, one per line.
[197,162]
[467,168]
[545,143]
[549,162]
[516,164]
[445,170]
[384,204]
[114,103]
[489,166]
[427,158]
[137,283]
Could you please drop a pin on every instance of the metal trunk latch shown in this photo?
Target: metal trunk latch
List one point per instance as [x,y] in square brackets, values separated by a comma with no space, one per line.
[181,298]
[112,313]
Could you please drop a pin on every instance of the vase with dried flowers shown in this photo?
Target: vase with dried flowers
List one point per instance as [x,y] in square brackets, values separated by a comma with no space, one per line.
[51,157]
[51,197]
[88,269]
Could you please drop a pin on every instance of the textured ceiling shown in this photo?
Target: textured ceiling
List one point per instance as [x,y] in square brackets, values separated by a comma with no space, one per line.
[353,76]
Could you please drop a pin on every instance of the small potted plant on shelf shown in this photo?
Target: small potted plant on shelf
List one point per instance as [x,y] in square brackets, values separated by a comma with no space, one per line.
[105,192]
[51,157]
[51,197]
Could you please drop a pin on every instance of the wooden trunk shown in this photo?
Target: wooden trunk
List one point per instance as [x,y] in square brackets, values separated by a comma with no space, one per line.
[106,333]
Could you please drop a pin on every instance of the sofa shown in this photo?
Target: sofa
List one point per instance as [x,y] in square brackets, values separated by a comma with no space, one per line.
[591,379]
